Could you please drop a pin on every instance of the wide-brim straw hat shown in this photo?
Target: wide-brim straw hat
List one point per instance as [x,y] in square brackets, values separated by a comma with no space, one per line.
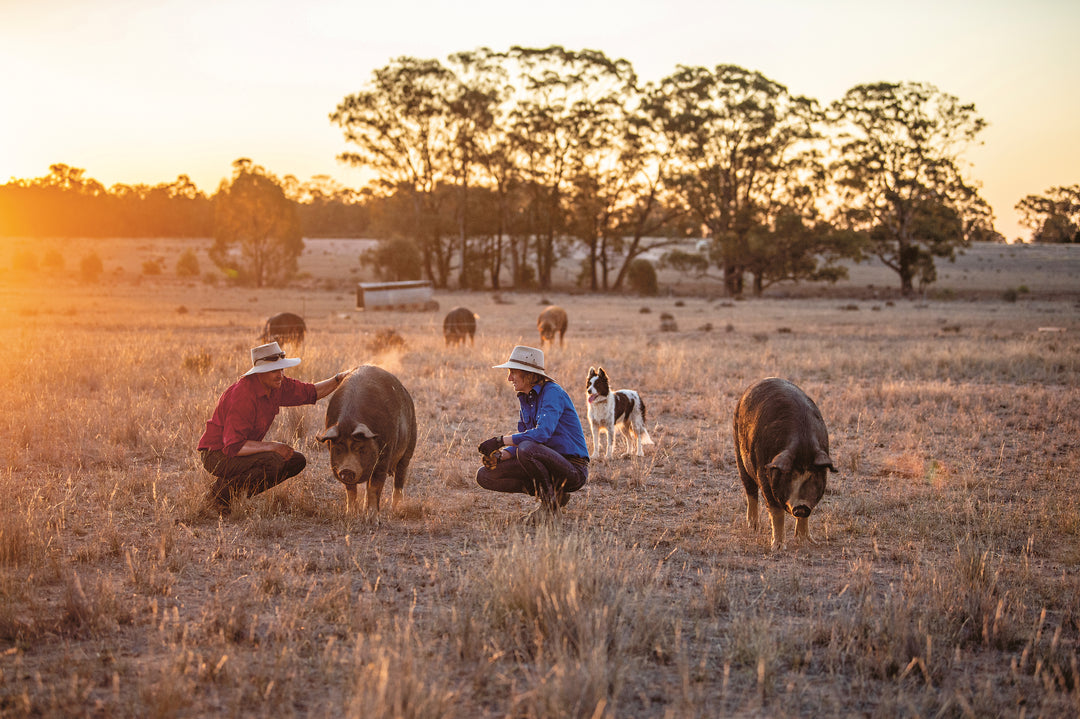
[269,357]
[525,358]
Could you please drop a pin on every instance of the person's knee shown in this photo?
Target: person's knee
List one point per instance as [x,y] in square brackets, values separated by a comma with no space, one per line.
[528,449]
[294,465]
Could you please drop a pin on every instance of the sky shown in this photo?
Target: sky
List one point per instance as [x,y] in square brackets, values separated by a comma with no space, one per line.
[142,91]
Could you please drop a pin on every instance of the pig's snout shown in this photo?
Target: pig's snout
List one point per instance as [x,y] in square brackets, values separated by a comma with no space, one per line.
[800,511]
[347,476]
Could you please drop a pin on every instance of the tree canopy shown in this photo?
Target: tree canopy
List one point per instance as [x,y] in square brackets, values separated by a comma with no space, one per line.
[1054,216]
[257,234]
[899,176]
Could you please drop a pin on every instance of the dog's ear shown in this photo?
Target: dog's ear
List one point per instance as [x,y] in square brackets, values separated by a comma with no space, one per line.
[601,372]
[592,372]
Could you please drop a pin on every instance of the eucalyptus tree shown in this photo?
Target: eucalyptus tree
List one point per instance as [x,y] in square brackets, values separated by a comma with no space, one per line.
[746,152]
[482,156]
[563,125]
[899,177]
[257,234]
[1053,216]
[651,215]
[400,124]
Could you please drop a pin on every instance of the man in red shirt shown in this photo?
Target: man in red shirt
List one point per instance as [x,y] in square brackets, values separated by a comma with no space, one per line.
[232,447]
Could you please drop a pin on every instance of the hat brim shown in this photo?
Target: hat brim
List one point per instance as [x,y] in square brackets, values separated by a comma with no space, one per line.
[272,366]
[511,364]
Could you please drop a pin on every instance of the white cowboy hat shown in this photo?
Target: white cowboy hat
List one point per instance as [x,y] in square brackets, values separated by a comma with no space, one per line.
[525,358]
[269,357]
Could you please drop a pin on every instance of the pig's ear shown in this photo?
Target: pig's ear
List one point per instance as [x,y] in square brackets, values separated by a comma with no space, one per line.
[781,462]
[362,431]
[822,459]
[328,434]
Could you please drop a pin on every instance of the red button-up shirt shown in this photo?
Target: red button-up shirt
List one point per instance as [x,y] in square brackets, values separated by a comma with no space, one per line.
[247,409]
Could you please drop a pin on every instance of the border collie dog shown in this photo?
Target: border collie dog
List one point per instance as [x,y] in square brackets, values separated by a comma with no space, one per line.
[623,410]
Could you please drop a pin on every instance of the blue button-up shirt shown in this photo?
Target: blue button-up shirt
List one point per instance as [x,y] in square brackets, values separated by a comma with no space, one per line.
[548,417]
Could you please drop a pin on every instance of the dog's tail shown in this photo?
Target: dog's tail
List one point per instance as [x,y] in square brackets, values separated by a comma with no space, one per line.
[644,438]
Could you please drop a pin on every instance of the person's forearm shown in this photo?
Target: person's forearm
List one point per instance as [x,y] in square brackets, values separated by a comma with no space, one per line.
[252,446]
[327,386]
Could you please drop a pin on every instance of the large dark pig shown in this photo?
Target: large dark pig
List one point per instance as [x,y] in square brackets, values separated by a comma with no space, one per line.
[459,324]
[782,449]
[371,428]
[552,321]
[284,327]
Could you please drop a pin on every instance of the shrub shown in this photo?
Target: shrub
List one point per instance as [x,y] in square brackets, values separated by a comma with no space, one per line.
[187,265]
[151,267]
[394,260]
[53,260]
[90,267]
[641,277]
[1009,295]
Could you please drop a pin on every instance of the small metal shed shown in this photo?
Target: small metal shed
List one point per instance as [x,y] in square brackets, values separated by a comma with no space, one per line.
[411,294]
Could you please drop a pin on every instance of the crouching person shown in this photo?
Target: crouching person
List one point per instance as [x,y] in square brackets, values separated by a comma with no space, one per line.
[232,447]
[547,457]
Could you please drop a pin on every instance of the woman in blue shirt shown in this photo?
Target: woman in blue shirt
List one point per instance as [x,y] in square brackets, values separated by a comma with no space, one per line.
[547,457]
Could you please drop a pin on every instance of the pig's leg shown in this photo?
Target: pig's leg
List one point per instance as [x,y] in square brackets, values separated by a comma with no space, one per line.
[802,529]
[352,506]
[777,516]
[751,488]
[401,473]
[374,491]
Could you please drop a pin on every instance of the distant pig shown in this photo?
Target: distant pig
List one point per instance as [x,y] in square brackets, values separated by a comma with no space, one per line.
[552,321]
[782,448]
[284,327]
[459,324]
[371,428]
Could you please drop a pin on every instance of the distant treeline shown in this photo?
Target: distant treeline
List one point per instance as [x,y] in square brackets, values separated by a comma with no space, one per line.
[66,203]
[491,167]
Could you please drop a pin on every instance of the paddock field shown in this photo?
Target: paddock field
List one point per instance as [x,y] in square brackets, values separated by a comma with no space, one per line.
[945,580]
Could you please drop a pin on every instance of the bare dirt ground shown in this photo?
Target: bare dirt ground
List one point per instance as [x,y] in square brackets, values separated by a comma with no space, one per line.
[943,582]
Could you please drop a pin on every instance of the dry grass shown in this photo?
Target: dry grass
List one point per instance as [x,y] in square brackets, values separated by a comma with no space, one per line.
[945,581]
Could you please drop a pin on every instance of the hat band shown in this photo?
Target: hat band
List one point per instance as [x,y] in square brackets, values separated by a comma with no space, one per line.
[528,364]
[270,358]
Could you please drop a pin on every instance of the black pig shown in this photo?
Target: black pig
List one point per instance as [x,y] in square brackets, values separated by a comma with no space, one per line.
[459,324]
[782,448]
[284,327]
[371,428]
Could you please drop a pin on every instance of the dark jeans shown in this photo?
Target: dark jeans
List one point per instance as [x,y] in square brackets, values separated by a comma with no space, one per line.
[250,474]
[537,470]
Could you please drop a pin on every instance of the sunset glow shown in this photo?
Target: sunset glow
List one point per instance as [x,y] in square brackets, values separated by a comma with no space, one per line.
[144,92]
